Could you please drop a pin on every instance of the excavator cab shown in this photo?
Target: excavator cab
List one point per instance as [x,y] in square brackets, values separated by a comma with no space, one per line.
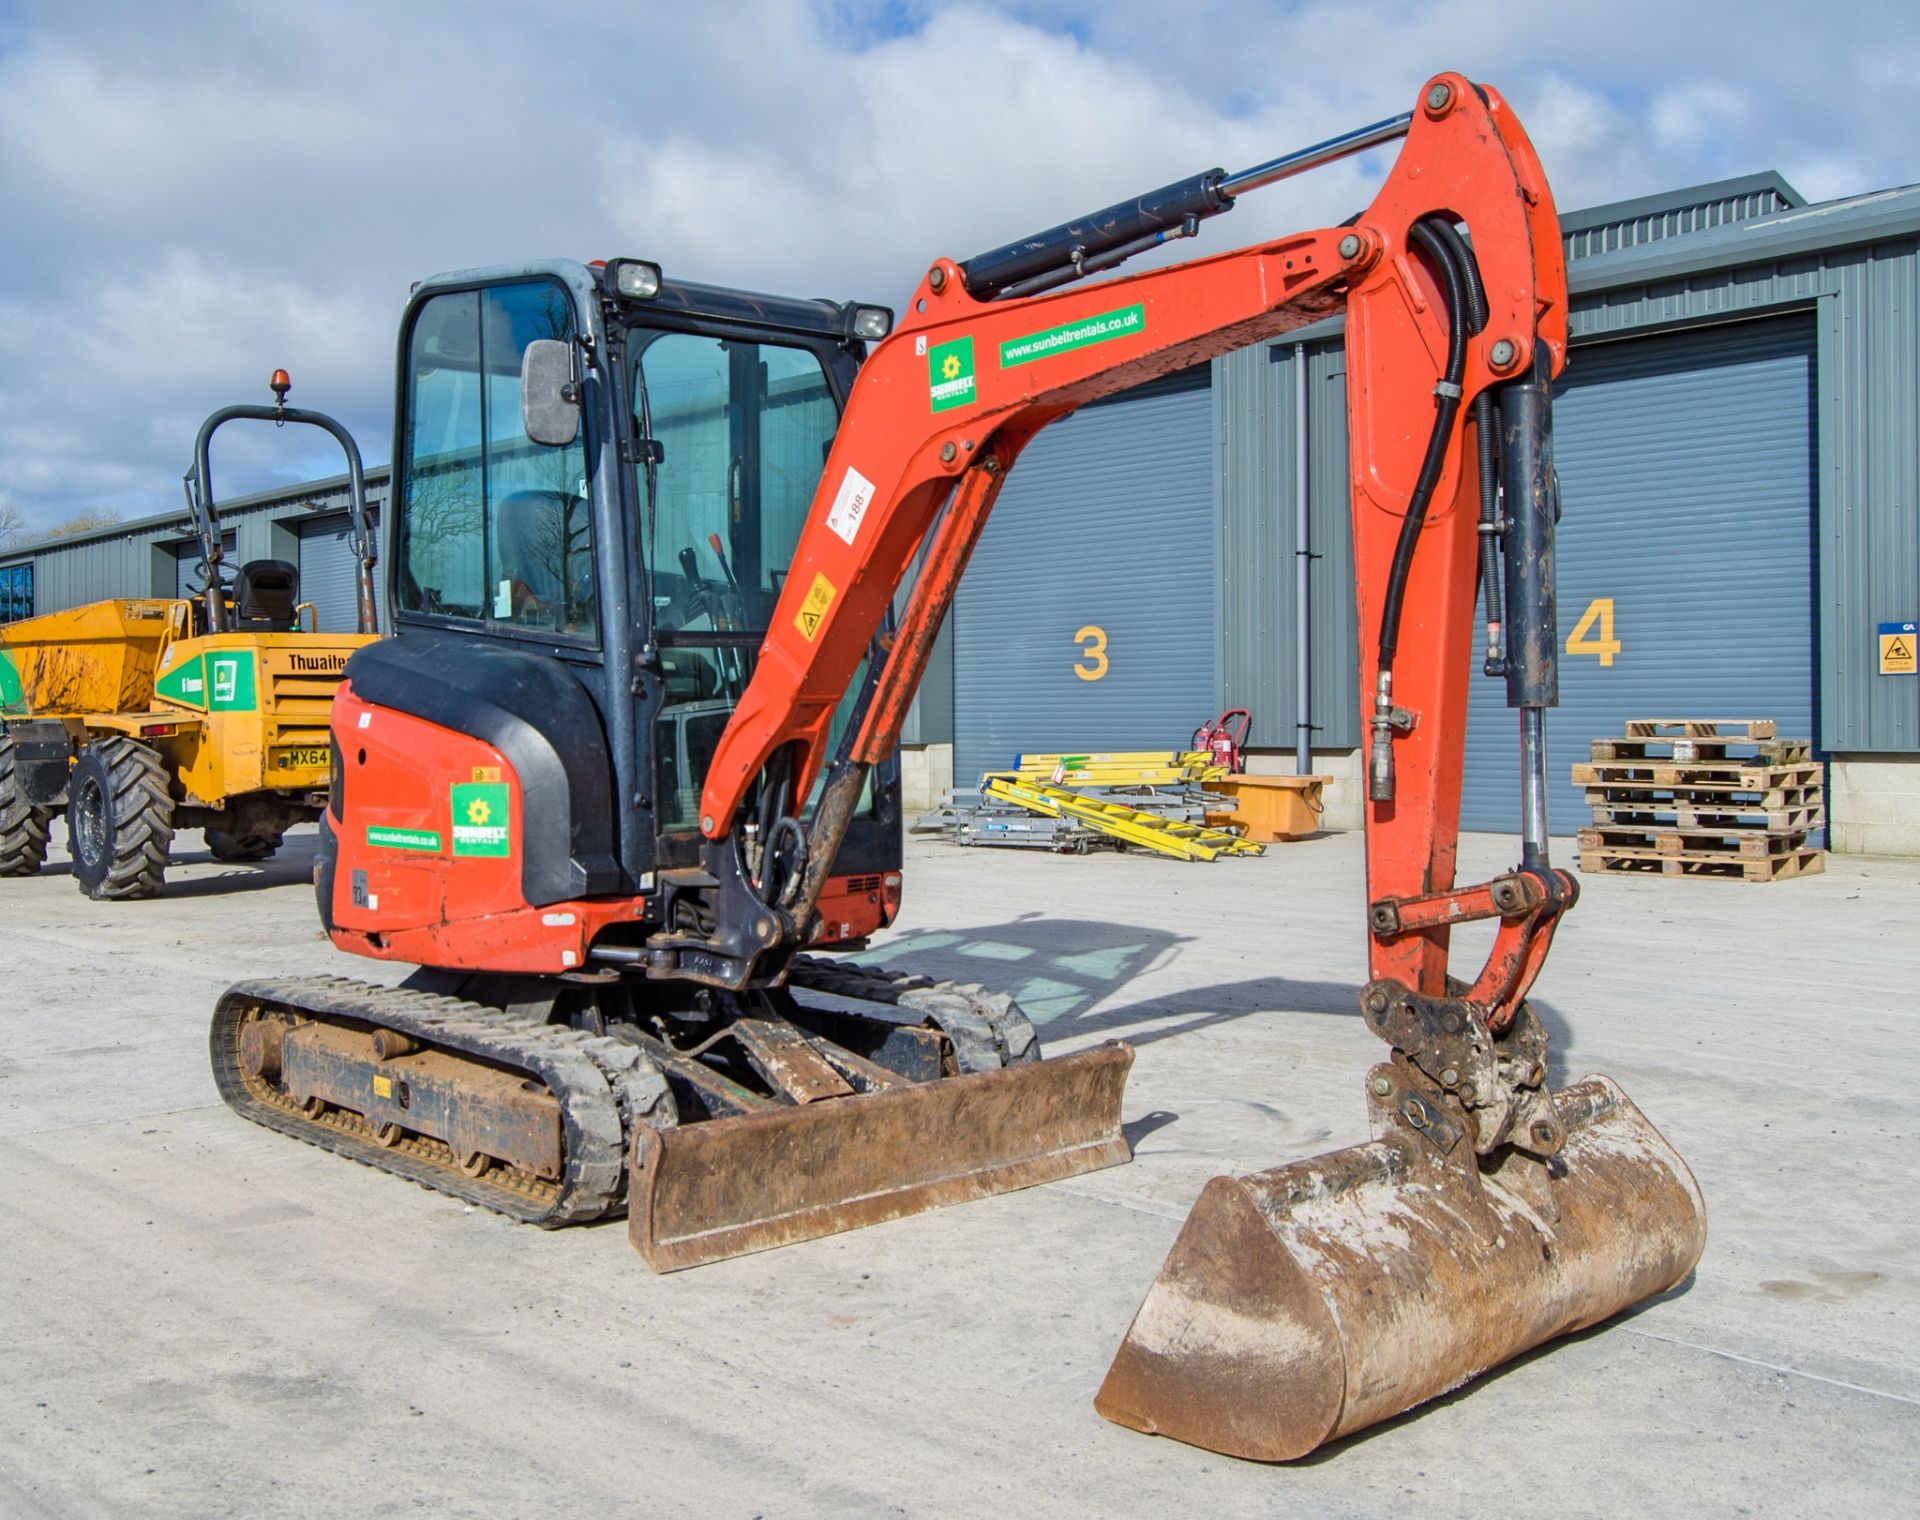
[610,489]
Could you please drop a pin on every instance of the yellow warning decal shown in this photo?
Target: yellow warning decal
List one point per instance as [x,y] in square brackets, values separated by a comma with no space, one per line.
[383,1087]
[484,773]
[813,611]
[1899,643]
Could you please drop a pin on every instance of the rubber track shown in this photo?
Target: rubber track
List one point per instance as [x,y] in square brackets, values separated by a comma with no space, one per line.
[142,814]
[605,1087]
[23,829]
[988,1029]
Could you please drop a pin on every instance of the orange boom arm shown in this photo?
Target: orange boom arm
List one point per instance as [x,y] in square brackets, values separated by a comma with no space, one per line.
[944,406]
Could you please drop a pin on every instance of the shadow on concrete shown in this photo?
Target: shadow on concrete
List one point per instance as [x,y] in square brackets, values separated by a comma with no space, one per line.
[1057,968]
[293,865]
[1138,1129]
[1058,987]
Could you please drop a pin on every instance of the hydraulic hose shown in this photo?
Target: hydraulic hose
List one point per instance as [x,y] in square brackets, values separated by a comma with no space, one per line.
[1453,295]
[1487,430]
[1486,424]
[1452,265]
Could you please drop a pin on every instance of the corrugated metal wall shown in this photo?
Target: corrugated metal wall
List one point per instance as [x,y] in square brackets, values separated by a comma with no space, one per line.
[1257,639]
[1866,303]
[1870,465]
[1105,523]
[1633,223]
[140,558]
[71,575]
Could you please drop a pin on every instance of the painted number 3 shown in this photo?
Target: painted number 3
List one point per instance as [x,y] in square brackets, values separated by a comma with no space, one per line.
[1092,640]
[1583,640]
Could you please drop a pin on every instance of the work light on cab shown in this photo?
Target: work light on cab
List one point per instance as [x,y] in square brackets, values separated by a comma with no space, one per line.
[870,323]
[636,279]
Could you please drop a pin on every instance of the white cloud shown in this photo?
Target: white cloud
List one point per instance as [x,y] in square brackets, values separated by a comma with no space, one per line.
[189,206]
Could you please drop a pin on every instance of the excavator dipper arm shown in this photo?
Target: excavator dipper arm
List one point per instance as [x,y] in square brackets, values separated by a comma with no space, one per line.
[1489,1214]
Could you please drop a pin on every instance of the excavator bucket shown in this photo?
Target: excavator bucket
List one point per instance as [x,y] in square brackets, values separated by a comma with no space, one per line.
[1304,1303]
[702,1192]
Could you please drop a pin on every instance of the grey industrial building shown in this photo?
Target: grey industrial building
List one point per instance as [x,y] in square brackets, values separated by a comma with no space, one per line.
[1740,458]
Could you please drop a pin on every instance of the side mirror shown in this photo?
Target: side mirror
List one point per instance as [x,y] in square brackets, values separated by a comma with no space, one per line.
[549,398]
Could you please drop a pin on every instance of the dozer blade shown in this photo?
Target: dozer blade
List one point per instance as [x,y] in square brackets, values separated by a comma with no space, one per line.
[1304,1303]
[703,1192]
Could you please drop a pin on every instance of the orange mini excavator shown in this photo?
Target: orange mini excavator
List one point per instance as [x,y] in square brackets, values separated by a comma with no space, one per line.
[627,758]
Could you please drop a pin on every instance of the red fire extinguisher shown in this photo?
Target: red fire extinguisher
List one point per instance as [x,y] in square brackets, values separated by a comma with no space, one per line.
[1224,736]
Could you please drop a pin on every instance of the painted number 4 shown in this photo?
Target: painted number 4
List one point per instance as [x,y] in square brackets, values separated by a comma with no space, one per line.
[1582,640]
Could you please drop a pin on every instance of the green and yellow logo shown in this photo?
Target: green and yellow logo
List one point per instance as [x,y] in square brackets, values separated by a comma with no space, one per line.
[950,374]
[13,696]
[232,681]
[480,818]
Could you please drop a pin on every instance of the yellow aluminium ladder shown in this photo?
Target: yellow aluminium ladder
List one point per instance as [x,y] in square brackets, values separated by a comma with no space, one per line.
[1151,831]
[1121,768]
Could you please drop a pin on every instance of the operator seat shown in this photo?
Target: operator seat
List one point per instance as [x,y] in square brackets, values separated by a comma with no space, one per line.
[266,596]
[540,538]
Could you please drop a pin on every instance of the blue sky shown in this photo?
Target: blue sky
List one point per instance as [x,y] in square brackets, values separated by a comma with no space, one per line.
[195,194]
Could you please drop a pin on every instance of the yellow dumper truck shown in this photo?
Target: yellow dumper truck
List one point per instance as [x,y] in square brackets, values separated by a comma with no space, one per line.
[141,716]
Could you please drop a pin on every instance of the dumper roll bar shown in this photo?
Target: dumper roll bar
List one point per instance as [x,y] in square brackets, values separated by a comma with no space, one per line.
[206,518]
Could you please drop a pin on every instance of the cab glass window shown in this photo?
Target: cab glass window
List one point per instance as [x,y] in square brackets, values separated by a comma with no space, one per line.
[743,430]
[493,526]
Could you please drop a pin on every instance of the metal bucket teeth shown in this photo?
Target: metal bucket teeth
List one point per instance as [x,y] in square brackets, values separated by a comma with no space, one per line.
[1304,1303]
[704,1192]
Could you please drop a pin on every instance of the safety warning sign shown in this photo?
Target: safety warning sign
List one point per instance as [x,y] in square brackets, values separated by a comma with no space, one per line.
[813,610]
[1897,649]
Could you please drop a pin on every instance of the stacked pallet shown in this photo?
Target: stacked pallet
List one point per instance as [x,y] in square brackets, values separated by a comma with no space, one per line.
[1703,797]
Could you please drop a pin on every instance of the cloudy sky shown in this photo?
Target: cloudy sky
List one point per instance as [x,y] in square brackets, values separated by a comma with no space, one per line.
[194,194]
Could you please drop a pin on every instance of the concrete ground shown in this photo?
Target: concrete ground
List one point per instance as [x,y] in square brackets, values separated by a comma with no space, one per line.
[199,1317]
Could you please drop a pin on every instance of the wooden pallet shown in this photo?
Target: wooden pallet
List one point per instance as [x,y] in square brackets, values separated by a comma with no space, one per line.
[1747,844]
[1728,775]
[1631,862]
[1708,798]
[1695,751]
[1723,817]
[1700,728]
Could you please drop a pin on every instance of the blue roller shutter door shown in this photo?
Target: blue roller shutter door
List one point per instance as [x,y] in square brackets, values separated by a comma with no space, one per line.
[1686,466]
[1085,619]
[187,578]
[328,575]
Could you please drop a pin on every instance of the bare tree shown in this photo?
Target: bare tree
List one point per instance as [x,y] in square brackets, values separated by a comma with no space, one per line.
[83,522]
[13,523]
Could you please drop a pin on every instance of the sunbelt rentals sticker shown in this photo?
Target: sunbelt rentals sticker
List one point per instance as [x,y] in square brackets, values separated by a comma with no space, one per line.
[950,374]
[1122,322]
[480,818]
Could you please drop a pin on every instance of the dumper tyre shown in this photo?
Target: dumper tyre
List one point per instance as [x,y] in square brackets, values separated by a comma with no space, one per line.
[254,845]
[119,820]
[23,827]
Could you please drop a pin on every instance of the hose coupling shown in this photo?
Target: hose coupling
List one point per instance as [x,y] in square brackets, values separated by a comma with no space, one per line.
[1387,720]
